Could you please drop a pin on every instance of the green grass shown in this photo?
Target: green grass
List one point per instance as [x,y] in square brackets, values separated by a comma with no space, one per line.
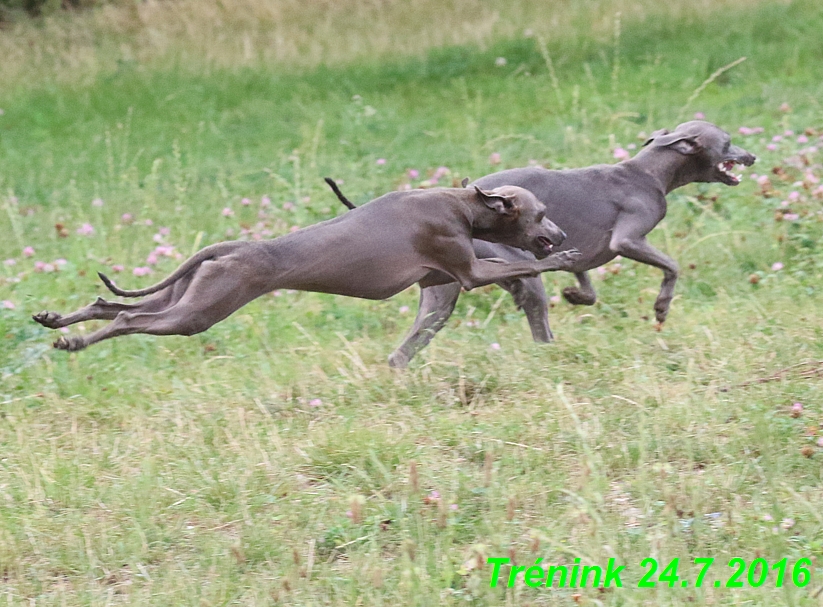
[177,471]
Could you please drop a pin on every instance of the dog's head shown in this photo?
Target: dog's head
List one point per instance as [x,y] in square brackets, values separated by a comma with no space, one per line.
[519,220]
[710,149]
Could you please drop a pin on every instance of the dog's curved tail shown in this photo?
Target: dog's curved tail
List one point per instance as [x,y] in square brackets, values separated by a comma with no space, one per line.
[348,203]
[210,252]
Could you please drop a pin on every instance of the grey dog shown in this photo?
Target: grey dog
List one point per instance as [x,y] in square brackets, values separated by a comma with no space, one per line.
[606,210]
[373,252]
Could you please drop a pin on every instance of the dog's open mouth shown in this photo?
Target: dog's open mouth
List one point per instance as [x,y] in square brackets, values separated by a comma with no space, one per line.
[725,169]
[545,243]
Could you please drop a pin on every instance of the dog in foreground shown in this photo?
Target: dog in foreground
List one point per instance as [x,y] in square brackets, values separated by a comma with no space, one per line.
[372,252]
[606,210]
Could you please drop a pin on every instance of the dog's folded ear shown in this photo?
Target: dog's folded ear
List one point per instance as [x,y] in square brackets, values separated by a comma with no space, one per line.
[655,135]
[504,205]
[680,142]
[465,182]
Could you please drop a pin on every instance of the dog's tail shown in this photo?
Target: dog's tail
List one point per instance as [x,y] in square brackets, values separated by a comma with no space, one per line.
[348,203]
[210,252]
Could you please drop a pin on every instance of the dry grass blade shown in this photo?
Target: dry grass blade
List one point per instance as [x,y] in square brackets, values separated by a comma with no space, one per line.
[783,374]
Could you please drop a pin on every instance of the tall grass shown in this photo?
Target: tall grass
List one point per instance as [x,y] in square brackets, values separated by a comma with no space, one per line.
[292,33]
[276,459]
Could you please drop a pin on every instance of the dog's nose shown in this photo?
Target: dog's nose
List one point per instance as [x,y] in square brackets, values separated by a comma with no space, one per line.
[558,237]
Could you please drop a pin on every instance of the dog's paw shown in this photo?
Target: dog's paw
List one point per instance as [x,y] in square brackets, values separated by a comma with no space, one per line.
[661,311]
[69,344]
[398,360]
[564,260]
[50,320]
[570,255]
[576,297]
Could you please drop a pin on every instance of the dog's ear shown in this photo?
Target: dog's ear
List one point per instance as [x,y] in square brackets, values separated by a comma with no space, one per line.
[685,144]
[503,205]
[655,135]
[465,182]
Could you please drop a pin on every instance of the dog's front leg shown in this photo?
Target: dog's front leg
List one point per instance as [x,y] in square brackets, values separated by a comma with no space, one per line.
[640,250]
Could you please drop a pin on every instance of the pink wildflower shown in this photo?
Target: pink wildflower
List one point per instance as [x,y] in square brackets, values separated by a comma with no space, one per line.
[265,201]
[126,218]
[802,139]
[97,202]
[414,173]
[294,228]
[117,268]
[441,172]
[288,206]
[494,158]
[246,202]
[227,212]
[771,147]
[554,299]
[791,216]
[10,262]
[164,231]
[495,346]
[141,271]
[148,222]
[151,259]
[699,116]
[85,230]
[403,309]
[8,305]
[381,161]
[794,196]
[28,251]
[621,154]
[315,402]
[60,262]
[777,266]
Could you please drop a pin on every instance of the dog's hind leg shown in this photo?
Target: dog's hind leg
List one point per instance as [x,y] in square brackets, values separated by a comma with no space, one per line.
[530,296]
[217,289]
[584,295]
[99,310]
[108,310]
[436,306]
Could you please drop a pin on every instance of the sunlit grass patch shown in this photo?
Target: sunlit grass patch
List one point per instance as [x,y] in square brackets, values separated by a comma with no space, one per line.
[276,458]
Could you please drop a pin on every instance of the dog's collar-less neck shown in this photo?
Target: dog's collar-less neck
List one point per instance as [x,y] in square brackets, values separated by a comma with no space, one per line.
[663,166]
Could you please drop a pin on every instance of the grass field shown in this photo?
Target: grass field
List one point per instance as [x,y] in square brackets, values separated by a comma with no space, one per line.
[276,459]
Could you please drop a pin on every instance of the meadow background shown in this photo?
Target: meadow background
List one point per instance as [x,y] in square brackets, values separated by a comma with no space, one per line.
[276,459]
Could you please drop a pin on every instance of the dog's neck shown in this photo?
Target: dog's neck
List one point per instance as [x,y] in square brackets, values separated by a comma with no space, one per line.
[669,168]
[484,223]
